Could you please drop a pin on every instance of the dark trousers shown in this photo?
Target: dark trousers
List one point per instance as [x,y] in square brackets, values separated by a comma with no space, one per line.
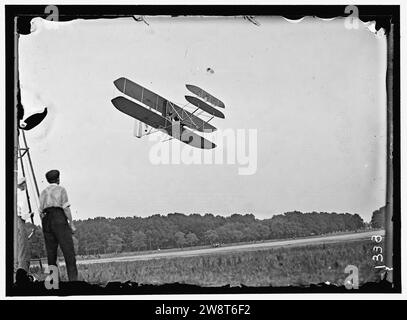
[58,232]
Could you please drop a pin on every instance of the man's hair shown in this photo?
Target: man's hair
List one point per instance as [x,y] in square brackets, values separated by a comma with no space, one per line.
[52,176]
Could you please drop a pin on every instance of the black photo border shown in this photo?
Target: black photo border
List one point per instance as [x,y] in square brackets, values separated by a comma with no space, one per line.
[384,15]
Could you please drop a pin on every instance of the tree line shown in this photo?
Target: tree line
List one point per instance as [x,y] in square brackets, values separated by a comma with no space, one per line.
[176,230]
[378,218]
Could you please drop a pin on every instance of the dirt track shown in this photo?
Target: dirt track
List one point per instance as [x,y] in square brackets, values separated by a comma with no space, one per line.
[243,247]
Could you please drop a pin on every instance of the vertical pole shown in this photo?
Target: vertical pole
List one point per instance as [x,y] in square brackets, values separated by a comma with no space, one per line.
[23,172]
[389,163]
[16,36]
[31,165]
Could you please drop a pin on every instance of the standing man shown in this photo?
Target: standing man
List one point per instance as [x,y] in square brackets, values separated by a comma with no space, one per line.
[23,254]
[57,224]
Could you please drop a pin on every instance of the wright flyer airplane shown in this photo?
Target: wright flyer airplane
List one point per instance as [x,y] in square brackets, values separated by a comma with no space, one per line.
[156,113]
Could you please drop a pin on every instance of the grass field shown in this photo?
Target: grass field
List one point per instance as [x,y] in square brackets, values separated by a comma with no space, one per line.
[302,265]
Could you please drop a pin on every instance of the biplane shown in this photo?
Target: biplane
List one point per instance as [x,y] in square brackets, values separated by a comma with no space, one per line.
[154,113]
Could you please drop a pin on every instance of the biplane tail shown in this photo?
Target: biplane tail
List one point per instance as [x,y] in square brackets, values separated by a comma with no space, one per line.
[205,107]
[205,96]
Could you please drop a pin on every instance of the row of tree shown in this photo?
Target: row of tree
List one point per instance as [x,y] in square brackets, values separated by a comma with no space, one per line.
[378,218]
[107,235]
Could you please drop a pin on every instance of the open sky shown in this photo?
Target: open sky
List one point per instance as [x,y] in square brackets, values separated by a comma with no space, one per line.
[314,91]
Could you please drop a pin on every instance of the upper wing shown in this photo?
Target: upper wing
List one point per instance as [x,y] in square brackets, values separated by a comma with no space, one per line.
[205,95]
[141,94]
[162,105]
